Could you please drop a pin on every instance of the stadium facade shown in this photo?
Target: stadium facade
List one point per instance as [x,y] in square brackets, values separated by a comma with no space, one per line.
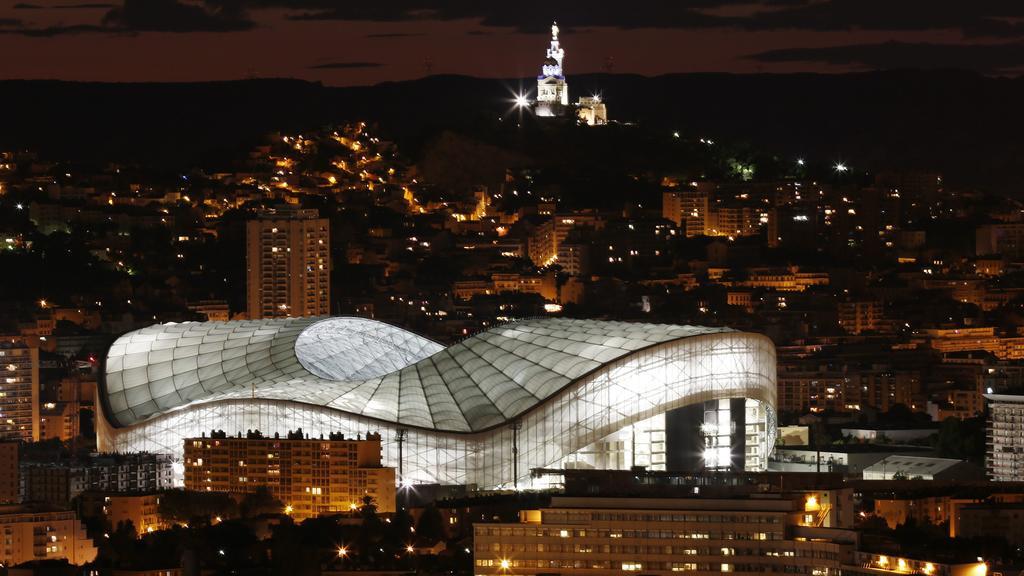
[484,412]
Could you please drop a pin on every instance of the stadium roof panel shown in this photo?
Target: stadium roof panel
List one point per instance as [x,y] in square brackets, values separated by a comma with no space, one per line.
[368,368]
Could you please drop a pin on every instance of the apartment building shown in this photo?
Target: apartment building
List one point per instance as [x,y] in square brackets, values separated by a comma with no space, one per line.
[288,264]
[310,476]
[779,533]
[32,533]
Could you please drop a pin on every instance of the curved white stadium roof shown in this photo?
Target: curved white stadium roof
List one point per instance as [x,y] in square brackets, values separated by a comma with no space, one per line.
[367,368]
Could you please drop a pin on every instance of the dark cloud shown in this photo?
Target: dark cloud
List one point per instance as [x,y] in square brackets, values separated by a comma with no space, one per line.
[983,58]
[993,27]
[174,16]
[395,35]
[27,6]
[96,6]
[148,16]
[525,16]
[5,22]
[885,15]
[976,18]
[51,31]
[345,65]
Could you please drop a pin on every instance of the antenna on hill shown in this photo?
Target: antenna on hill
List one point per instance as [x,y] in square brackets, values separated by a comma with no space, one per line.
[609,64]
[428,65]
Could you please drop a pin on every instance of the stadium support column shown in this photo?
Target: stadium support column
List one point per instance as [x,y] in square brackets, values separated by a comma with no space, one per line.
[400,439]
[404,492]
[516,427]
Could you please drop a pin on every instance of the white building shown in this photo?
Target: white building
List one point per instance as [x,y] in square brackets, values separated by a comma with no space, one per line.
[552,89]
[591,110]
[1004,456]
[899,466]
[540,393]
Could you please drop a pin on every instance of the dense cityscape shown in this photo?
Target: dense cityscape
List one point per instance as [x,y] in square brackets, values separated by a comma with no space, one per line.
[538,339]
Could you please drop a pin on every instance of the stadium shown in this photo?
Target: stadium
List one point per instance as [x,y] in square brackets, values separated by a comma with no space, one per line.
[484,412]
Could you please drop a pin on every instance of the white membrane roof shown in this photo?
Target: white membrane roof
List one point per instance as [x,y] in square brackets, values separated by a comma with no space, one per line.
[367,367]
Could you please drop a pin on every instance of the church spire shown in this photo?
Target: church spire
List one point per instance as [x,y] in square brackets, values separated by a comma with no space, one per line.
[553,65]
[552,89]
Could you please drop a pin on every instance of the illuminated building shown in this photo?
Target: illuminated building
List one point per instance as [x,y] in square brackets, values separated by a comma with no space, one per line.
[19,392]
[58,420]
[784,279]
[857,317]
[685,533]
[592,111]
[1004,238]
[38,533]
[60,481]
[552,89]
[549,392]
[1004,456]
[688,207]
[545,244]
[288,264]
[870,564]
[310,476]
[804,387]
[899,466]
[141,509]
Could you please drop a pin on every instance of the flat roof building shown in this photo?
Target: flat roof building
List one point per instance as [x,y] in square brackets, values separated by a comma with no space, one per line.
[58,482]
[774,533]
[899,466]
[1004,455]
[142,510]
[309,476]
[288,264]
[33,533]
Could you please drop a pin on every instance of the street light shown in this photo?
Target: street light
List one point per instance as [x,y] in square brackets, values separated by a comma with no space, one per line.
[342,552]
[521,100]
[840,167]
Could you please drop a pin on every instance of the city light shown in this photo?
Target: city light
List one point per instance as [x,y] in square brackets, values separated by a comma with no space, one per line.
[799,161]
[342,552]
[521,101]
[840,167]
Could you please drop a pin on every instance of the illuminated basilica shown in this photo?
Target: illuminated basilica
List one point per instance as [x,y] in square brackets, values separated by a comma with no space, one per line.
[553,90]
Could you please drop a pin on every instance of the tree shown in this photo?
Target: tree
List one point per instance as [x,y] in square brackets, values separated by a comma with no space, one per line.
[961,439]
[371,532]
[260,502]
[194,507]
[430,526]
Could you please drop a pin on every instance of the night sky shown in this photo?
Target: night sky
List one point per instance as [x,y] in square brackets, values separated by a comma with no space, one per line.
[344,42]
